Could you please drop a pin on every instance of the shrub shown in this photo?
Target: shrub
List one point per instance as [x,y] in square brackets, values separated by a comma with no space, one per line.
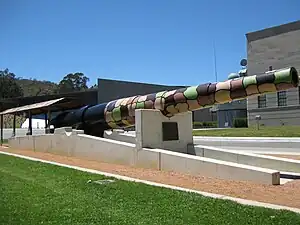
[209,124]
[240,122]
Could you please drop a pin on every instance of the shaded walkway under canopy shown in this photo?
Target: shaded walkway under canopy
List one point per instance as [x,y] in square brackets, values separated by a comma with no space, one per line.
[45,107]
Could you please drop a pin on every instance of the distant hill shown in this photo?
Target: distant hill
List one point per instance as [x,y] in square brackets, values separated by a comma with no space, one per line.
[33,87]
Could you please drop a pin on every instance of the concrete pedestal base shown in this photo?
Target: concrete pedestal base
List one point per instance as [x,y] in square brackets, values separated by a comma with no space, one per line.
[154,130]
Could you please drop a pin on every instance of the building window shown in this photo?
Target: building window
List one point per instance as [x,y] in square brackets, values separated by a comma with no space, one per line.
[281,98]
[262,101]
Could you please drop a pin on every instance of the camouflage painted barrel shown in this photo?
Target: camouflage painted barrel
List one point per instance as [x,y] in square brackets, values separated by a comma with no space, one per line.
[120,113]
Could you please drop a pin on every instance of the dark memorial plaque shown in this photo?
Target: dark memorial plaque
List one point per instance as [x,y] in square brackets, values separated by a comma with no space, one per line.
[170,131]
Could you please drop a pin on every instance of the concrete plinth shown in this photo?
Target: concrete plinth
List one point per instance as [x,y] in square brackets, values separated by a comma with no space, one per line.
[154,130]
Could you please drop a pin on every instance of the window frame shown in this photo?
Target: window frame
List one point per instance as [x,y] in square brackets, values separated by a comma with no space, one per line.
[281,99]
[262,101]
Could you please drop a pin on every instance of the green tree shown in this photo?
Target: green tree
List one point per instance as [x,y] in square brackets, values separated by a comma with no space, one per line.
[9,88]
[73,82]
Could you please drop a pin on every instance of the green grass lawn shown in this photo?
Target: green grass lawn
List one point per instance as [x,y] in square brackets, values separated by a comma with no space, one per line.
[37,193]
[283,131]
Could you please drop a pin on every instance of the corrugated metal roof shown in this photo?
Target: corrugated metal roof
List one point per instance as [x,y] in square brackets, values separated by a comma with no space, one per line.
[31,107]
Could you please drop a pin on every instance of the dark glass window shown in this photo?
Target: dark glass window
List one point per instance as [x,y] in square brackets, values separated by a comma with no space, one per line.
[262,101]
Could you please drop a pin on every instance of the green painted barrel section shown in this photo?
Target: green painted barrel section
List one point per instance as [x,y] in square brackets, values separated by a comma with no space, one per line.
[191,93]
[288,75]
[251,80]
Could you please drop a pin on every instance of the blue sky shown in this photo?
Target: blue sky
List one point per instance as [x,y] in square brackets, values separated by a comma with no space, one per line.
[156,41]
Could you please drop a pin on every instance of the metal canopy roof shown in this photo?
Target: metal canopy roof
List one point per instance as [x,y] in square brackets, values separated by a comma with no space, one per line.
[87,97]
[35,108]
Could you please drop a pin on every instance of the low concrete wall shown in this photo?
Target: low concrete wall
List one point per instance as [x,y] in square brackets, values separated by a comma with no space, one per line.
[111,151]
[180,162]
[104,150]
[120,136]
[282,164]
[81,146]
[7,132]
[23,142]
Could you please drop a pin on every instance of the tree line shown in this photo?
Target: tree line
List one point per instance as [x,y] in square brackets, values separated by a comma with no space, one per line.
[12,86]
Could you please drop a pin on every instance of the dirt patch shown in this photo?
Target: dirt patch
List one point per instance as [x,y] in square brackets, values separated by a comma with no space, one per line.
[297,157]
[287,194]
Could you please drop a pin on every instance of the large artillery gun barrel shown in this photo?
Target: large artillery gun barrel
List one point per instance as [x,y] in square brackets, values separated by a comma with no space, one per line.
[120,113]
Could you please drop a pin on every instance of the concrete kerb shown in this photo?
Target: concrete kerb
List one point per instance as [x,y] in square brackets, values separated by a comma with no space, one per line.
[274,142]
[277,153]
[250,139]
[206,194]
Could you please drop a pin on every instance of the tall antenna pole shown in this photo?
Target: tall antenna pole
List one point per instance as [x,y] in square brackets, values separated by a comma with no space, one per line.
[215,61]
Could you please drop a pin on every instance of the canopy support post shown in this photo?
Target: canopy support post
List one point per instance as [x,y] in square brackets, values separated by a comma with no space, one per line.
[1,128]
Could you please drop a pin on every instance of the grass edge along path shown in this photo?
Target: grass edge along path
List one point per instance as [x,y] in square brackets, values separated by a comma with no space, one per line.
[282,131]
[35,193]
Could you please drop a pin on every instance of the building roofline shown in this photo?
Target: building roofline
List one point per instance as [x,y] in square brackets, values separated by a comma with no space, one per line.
[273,31]
[138,82]
[50,96]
